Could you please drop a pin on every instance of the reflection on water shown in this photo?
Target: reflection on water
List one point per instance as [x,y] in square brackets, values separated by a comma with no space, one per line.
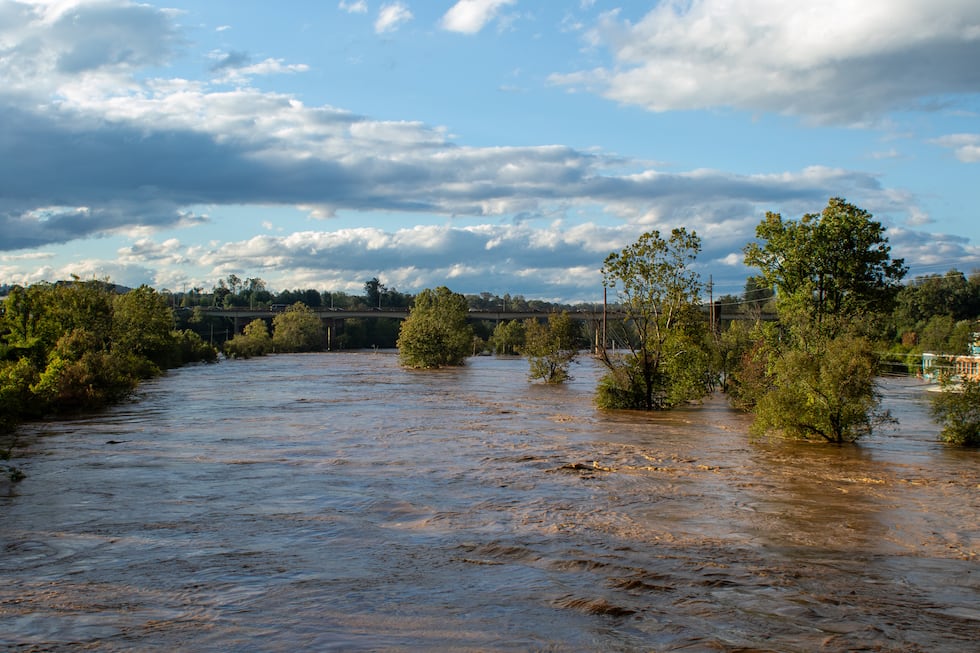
[338,502]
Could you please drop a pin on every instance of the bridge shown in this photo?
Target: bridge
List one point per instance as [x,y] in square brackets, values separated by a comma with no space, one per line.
[243,315]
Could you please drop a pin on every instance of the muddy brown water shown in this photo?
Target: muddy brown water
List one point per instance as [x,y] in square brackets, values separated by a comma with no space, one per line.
[338,502]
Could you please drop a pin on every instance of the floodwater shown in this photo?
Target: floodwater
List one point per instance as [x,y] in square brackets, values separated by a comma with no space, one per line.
[338,502]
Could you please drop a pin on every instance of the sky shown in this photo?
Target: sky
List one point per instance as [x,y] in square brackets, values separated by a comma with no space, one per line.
[501,146]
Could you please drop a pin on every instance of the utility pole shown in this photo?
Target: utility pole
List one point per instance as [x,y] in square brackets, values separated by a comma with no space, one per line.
[711,303]
[605,290]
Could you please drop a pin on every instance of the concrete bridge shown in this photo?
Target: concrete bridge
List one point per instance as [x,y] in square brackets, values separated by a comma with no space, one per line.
[243,315]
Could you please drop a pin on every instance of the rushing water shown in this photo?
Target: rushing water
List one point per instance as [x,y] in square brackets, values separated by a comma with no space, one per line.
[338,502]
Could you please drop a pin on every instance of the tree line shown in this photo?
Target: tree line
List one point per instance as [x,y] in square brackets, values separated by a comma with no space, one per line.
[79,345]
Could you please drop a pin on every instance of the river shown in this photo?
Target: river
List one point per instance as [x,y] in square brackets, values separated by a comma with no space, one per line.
[338,502]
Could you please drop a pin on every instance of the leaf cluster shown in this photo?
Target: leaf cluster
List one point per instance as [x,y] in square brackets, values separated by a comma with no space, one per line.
[435,333]
[550,348]
[957,409]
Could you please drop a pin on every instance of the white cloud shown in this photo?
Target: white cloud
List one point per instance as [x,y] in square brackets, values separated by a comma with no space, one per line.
[356,7]
[829,61]
[471,16]
[391,17]
[237,68]
[966,147]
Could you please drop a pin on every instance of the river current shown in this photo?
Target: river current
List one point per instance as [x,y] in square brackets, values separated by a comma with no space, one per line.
[339,502]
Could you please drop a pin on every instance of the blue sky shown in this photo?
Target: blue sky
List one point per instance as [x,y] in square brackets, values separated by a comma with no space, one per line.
[487,145]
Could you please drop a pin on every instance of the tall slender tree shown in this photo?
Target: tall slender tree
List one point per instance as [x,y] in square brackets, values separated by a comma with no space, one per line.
[666,362]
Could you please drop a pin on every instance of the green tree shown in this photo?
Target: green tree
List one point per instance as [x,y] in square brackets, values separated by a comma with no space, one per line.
[297,329]
[836,263]
[508,337]
[550,348]
[189,347]
[664,330]
[80,345]
[16,398]
[374,291]
[826,392]
[82,375]
[142,324]
[738,361]
[253,341]
[813,375]
[957,408]
[435,333]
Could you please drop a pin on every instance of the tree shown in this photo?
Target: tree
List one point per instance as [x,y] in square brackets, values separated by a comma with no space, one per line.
[740,361]
[550,348]
[373,291]
[836,263]
[297,329]
[253,341]
[825,392]
[957,408]
[813,375]
[508,337]
[79,345]
[664,330]
[435,333]
[143,324]
[82,375]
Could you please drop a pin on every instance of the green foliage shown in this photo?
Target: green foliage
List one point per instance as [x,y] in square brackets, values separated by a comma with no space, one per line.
[435,333]
[80,345]
[813,374]
[943,334]
[736,352]
[836,263]
[663,331]
[80,375]
[508,337]
[16,399]
[191,348]
[827,392]
[253,341]
[551,348]
[957,409]
[950,294]
[142,324]
[297,329]
[680,373]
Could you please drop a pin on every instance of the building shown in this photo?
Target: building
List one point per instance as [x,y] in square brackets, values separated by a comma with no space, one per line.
[962,367]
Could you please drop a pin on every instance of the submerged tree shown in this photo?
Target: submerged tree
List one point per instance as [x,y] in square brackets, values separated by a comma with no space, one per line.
[81,344]
[957,409]
[825,390]
[834,278]
[664,332]
[297,329]
[550,348]
[143,324]
[508,337]
[253,341]
[436,333]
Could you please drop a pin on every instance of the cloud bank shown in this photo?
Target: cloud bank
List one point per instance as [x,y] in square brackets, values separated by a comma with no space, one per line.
[93,144]
[829,62]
